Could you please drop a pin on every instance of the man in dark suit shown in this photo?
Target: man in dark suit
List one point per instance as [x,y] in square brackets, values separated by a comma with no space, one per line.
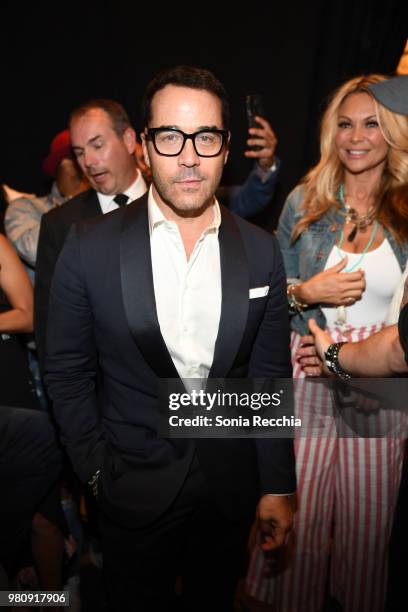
[106,157]
[162,289]
[109,166]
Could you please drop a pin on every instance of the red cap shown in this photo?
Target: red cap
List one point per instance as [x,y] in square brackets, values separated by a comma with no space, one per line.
[60,149]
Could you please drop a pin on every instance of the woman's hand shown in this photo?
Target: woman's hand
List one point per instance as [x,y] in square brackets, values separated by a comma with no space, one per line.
[332,286]
[307,358]
[312,348]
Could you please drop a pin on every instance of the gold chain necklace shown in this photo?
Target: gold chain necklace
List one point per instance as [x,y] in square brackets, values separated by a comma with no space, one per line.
[360,222]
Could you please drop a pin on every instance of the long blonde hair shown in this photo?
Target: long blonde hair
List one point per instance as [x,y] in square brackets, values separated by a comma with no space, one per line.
[321,184]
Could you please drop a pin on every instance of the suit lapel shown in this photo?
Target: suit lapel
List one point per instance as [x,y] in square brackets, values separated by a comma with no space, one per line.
[139,299]
[138,290]
[235,296]
[91,208]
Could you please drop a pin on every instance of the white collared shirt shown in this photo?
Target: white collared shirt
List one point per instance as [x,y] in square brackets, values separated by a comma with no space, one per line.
[136,190]
[188,293]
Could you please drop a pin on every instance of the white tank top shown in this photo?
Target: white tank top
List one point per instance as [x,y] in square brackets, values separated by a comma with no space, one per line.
[382,274]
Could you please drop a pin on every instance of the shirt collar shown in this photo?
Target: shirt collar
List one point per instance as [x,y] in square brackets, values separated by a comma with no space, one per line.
[134,191]
[157,218]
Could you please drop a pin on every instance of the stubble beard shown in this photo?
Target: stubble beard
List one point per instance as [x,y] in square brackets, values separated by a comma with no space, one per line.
[187,204]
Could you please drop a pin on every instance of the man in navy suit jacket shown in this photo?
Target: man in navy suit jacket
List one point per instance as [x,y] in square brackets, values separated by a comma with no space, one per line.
[245,200]
[161,288]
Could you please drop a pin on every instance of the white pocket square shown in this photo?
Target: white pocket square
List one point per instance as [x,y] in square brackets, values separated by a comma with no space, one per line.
[258,292]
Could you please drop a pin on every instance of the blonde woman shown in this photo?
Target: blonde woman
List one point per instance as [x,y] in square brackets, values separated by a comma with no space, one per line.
[345,244]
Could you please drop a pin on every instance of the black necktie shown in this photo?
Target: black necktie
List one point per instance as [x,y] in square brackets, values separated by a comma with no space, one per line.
[121,199]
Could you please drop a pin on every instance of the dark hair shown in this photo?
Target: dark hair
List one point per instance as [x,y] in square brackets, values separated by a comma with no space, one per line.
[118,115]
[186,76]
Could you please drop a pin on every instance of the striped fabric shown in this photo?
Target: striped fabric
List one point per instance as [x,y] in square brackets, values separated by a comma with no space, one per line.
[347,491]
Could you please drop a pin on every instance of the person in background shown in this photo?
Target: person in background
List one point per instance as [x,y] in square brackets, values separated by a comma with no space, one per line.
[390,346]
[106,158]
[344,242]
[22,223]
[30,464]
[7,195]
[16,319]
[27,480]
[24,212]
[382,354]
[16,288]
[23,216]
[254,195]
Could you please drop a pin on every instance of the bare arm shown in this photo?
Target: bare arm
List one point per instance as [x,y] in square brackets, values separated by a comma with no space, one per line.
[18,289]
[379,355]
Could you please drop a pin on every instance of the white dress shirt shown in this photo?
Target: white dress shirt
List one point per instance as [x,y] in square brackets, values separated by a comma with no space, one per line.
[136,190]
[188,293]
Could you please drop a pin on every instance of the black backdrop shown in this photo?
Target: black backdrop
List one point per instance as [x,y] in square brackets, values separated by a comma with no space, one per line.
[295,53]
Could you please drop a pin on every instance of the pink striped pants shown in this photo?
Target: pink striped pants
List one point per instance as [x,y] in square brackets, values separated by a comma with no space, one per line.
[347,491]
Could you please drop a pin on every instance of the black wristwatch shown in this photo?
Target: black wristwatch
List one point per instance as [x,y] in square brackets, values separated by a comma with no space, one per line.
[332,360]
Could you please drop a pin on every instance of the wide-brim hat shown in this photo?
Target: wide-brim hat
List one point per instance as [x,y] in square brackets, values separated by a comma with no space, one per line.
[392,93]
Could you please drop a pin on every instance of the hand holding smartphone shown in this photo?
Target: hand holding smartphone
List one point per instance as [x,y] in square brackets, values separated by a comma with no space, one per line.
[254,106]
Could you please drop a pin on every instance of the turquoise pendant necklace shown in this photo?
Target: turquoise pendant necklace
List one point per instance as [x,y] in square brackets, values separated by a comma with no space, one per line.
[341,314]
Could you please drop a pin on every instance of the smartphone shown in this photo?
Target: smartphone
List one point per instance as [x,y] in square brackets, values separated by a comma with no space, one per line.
[254,106]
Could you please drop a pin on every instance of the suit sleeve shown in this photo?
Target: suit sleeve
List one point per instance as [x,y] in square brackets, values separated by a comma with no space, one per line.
[271,359]
[71,362]
[254,195]
[403,330]
[47,255]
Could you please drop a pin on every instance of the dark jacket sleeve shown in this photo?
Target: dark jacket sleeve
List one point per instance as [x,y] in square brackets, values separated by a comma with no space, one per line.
[403,330]
[253,196]
[271,359]
[53,232]
[71,362]
[47,254]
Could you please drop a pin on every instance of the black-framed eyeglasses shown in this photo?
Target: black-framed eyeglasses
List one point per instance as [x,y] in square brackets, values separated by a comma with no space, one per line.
[171,141]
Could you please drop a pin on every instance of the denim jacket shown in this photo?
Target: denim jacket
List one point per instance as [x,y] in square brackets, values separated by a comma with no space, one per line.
[308,255]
